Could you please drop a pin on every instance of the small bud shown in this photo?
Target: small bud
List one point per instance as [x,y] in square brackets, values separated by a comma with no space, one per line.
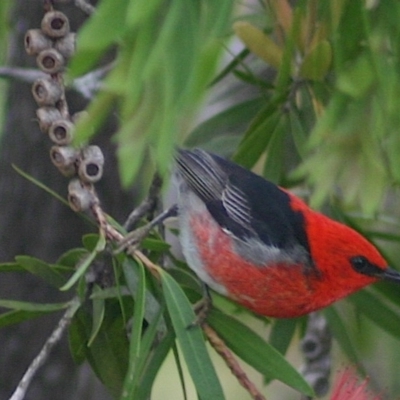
[35,42]
[46,92]
[91,165]
[61,132]
[80,197]
[55,24]
[46,116]
[66,45]
[50,61]
[65,159]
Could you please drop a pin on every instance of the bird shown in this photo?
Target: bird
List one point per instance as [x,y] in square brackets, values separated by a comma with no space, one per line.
[261,246]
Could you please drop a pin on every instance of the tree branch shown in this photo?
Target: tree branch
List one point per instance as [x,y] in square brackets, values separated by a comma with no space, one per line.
[218,344]
[43,355]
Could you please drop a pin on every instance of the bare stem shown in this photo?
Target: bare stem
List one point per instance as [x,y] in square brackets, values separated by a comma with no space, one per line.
[43,355]
[220,347]
[85,6]
[148,204]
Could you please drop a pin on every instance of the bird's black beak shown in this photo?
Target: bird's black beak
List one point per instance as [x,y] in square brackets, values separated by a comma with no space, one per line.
[390,274]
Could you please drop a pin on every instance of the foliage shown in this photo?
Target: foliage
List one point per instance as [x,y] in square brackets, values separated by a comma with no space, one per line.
[323,116]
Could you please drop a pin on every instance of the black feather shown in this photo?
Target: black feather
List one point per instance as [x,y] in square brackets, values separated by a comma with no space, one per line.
[242,202]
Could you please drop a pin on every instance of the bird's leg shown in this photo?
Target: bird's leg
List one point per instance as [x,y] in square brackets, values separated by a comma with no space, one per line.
[202,307]
[135,237]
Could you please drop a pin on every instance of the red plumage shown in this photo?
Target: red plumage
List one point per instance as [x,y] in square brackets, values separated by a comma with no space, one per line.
[264,247]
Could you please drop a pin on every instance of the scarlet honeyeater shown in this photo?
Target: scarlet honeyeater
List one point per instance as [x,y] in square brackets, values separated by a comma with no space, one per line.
[263,247]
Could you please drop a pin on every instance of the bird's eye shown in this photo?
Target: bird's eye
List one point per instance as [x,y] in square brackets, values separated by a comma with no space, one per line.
[363,266]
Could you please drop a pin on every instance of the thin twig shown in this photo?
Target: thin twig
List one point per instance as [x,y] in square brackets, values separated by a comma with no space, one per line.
[86,85]
[85,6]
[148,204]
[220,347]
[40,359]
[28,75]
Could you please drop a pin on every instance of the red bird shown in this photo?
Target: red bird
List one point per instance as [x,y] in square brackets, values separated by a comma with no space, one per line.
[263,247]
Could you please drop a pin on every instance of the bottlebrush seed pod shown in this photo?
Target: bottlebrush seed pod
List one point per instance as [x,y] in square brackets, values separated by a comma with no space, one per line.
[46,92]
[46,116]
[50,61]
[55,24]
[61,132]
[35,42]
[66,45]
[91,165]
[65,159]
[80,197]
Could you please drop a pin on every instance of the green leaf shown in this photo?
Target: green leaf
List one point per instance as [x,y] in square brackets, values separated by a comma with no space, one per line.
[191,340]
[72,257]
[357,79]
[282,333]
[129,267]
[378,312]
[23,311]
[153,366]
[340,332]
[45,271]
[139,10]
[18,316]
[85,263]
[259,43]
[108,353]
[155,245]
[274,164]
[132,376]
[101,30]
[11,267]
[316,64]
[252,349]
[230,121]
[41,185]
[258,136]
[32,307]
[98,307]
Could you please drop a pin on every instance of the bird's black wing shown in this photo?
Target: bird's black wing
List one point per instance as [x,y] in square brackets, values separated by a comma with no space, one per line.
[242,202]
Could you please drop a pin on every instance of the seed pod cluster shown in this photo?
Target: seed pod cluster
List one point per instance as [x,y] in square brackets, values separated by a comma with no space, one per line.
[53,44]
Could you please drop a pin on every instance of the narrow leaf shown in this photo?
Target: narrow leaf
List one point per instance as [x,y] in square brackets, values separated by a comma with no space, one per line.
[191,340]
[45,271]
[378,312]
[252,349]
[131,378]
[33,307]
[98,314]
[282,333]
[85,263]
[100,31]
[259,43]
[40,185]
[340,332]
[11,267]
[17,316]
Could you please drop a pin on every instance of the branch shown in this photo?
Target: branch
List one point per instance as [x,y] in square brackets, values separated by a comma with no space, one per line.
[85,6]
[219,345]
[148,204]
[87,85]
[43,355]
